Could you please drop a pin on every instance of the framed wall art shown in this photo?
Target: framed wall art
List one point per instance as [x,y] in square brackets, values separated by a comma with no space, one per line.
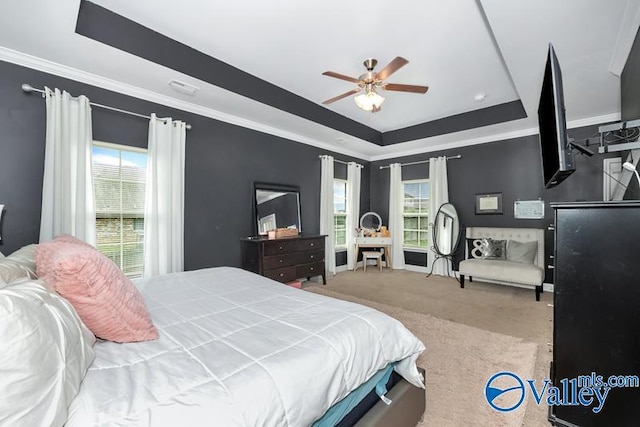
[489,203]
[528,209]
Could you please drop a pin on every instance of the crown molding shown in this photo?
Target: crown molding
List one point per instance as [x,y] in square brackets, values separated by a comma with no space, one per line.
[597,120]
[54,68]
[46,66]
[626,36]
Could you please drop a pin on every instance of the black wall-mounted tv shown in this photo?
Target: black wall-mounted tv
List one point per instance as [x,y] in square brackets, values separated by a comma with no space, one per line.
[557,158]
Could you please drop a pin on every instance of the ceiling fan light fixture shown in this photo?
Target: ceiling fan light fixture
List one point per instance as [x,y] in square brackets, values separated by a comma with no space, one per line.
[370,100]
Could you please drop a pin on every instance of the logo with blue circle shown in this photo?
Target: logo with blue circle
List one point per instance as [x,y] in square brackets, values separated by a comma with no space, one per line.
[505,391]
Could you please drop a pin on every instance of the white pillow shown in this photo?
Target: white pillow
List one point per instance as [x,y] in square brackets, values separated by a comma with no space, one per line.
[522,251]
[45,351]
[11,270]
[26,257]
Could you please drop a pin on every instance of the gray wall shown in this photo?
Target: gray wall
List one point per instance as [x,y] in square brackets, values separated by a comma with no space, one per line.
[511,167]
[222,162]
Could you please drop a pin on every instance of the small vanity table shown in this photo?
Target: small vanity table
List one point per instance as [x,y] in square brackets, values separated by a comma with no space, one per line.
[370,223]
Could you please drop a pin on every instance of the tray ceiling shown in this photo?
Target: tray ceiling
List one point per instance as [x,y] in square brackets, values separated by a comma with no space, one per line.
[275,52]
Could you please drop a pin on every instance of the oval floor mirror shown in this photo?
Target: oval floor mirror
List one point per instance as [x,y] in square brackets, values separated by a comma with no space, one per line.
[445,234]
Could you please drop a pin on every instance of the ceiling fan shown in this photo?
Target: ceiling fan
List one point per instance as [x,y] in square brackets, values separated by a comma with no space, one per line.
[370,100]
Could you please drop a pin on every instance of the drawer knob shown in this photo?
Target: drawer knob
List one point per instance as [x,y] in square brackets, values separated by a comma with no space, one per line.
[281,274]
[280,247]
[281,261]
[311,269]
[311,256]
[311,244]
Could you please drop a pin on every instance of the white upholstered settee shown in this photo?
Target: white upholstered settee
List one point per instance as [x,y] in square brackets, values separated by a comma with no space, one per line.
[520,263]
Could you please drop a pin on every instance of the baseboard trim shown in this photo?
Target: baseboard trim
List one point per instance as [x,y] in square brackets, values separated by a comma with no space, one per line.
[416,268]
[341,268]
[546,287]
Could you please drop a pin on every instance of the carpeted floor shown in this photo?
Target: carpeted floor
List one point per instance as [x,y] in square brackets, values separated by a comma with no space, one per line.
[495,308]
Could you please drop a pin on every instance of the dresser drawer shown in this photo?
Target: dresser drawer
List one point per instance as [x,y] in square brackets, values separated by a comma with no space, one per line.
[310,244]
[280,246]
[286,274]
[283,260]
[373,240]
[308,270]
[312,256]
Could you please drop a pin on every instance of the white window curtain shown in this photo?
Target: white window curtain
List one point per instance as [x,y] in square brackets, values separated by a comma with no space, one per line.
[438,195]
[353,209]
[326,214]
[164,197]
[396,220]
[68,205]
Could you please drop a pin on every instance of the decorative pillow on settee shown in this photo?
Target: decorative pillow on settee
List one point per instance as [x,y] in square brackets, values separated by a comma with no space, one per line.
[106,300]
[524,252]
[493,249]
[45,351]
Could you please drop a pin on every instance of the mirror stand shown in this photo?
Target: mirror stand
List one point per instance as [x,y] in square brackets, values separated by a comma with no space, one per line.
[445,236]
[439,256]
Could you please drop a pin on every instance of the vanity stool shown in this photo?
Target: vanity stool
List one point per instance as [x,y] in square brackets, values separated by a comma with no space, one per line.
[377,255]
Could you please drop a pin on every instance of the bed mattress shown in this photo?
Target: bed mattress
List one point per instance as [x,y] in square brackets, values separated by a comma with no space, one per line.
[238,349]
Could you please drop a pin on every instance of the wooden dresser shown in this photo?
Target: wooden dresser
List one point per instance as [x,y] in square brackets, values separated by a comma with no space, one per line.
[285,259]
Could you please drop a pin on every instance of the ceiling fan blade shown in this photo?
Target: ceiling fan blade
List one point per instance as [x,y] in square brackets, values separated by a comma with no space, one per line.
[339,97]
[406,88]
[391,67]
[340,76]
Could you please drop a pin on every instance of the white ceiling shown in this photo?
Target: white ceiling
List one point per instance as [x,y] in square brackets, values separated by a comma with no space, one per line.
[459,48]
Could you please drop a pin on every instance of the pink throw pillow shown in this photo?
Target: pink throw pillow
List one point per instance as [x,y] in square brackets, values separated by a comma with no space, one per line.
[70,239]
[105,299]
[45,256]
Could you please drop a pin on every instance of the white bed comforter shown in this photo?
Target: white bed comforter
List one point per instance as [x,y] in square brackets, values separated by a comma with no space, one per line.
[237,349]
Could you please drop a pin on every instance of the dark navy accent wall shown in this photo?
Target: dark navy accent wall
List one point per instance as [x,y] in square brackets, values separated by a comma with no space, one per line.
[222,162]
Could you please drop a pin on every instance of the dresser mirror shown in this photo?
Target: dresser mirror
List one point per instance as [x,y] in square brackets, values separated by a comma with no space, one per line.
[276,206]
[446,231]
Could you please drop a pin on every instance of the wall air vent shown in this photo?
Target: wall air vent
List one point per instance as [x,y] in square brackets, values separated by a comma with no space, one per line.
[183,87]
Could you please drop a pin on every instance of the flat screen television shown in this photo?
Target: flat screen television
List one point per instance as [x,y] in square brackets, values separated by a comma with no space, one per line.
[557,157]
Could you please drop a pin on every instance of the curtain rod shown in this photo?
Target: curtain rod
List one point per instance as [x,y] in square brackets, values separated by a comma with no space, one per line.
[459,156]
[28,88]
[343,162]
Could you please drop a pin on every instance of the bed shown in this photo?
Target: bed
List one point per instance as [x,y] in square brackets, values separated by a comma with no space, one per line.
[239,349]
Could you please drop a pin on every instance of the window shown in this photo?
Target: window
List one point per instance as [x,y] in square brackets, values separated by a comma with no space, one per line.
[416,214]
[340,212]
[119,175]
